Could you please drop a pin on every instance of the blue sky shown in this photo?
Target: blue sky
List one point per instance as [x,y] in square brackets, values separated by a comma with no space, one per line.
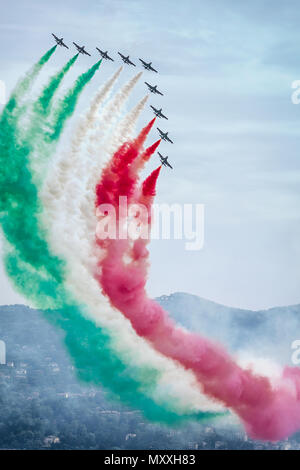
[226,69]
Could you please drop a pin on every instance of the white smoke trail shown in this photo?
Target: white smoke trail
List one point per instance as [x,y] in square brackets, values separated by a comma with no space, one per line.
[72,236]
[69,174]
[123,132]
[111,113]
[90,117]
[104,131]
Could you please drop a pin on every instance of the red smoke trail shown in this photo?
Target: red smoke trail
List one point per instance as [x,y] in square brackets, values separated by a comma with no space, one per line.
[149,185]
[268,412]
[150,151]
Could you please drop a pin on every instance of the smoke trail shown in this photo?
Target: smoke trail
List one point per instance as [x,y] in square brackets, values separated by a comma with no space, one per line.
[19,194]
[268,410]
[12,111]
[124,130]
[15,179]
[112,111]
[101,145]
[78,176]
[25,84]
[83,206]
[43,104]
[41,109]
[67,105]
[91,352]
[65,238]
[109,117]
[91,116]
[38,274]
[121,134]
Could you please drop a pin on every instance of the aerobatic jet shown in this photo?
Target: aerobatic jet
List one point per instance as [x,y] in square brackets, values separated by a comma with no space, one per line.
[126,59]
[158,112]
[153,89]
[164,161]
[59,41]
[148,66]
[81,50]
[104,55]
[164,136]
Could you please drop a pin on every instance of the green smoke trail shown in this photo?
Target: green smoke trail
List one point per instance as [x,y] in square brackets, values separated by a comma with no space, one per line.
[13,110]
[67,105]
[24,85]
[19,203]
[38,274]
[20,218]
[40,111]
[17,217]
[91,350]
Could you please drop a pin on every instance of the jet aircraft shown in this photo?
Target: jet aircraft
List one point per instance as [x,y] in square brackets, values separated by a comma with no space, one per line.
[153,89]
[104,55]
[80,49]
[126,59]
[59,41]
[164,161]
[158,112]
[148,66]
[164,136]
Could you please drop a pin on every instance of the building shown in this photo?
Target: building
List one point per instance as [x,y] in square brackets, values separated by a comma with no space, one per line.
[50,440]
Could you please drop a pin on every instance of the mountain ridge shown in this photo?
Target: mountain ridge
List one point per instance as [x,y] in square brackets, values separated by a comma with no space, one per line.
[265,333]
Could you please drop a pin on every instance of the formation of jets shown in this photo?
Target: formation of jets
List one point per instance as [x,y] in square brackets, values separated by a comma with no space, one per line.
[152,88]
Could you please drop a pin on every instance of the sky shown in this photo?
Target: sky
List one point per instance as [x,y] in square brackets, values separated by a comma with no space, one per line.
[226,70]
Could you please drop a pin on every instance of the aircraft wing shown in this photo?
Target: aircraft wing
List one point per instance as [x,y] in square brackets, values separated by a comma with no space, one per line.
[163,116]
[167,163]
[55,37]
[86,53]
[109,58]
[131,63]
[78,47]
[144,63]
[65,45]
[159,93]
[153,70]
[170,140]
